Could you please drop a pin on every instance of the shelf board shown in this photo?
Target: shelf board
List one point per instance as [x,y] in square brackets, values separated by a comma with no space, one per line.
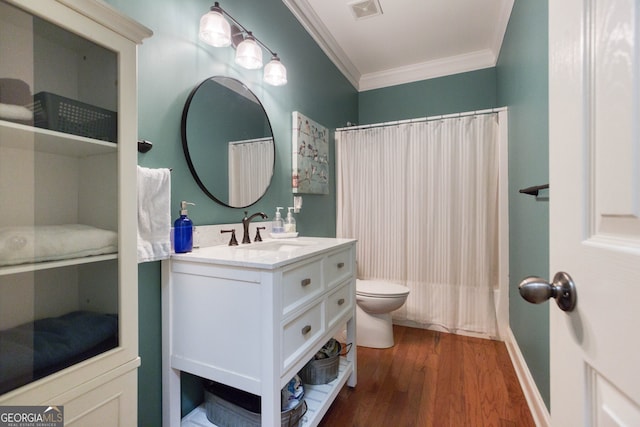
[19,136]
[24,268]
[317,397]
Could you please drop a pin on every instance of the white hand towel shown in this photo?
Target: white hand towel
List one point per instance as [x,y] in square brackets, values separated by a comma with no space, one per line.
[29,244]
[15,112]
[154,214]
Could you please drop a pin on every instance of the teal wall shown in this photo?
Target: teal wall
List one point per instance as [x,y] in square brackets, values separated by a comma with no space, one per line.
[170,64]
[519,81]
[475,90]
[173,61]
[523,86]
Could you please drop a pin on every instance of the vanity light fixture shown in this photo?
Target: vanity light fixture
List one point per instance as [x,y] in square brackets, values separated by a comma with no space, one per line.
[274,72]
[248,53]
[216,31]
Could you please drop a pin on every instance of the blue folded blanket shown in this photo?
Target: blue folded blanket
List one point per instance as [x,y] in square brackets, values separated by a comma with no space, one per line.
[32,348]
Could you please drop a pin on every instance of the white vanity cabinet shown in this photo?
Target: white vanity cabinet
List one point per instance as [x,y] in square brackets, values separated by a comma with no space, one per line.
[251,318]
[68,132]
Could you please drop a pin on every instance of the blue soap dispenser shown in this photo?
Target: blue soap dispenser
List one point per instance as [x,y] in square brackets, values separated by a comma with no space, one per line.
[183,230]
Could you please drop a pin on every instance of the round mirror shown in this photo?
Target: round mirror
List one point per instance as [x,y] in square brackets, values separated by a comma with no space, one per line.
[228,142]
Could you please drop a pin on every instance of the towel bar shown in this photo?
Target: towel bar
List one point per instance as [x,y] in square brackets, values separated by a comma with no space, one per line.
[533,191]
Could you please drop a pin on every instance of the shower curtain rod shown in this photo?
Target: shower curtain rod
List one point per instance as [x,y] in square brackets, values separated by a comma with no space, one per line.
[251,141]
[424,119]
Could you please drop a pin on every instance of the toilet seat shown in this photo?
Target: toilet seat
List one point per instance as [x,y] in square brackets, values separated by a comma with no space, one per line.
[379,289]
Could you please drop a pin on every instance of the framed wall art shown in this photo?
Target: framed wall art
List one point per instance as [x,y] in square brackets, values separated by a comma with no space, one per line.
[310,159]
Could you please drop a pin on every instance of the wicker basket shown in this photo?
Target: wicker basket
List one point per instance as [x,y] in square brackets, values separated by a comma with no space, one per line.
[241,409]
[55,112]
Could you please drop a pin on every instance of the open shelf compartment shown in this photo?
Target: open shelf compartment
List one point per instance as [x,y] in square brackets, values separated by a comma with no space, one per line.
[19,136]
[317,397]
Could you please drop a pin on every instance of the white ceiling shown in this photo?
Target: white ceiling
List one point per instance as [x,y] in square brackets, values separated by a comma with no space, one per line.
[411,40]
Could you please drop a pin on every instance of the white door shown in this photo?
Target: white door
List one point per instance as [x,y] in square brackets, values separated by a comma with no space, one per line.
[594,100]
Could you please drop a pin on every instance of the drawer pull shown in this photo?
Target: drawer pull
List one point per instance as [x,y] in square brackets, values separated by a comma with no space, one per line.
[305,282]
[306,330]
[341,301]
[340,264]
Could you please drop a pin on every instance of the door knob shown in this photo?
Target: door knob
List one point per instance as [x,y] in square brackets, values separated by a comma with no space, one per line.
[537,290]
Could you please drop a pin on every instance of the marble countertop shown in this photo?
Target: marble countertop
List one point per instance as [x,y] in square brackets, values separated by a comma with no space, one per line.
[268,254]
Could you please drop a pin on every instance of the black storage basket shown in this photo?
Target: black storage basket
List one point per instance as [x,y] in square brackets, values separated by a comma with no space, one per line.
[55,112]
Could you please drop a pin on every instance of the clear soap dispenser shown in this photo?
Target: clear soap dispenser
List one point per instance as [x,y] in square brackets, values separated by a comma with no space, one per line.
[290,222]
[278,224]
[183,230]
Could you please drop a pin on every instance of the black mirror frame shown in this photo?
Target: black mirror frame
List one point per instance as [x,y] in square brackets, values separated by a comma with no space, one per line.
[185,148]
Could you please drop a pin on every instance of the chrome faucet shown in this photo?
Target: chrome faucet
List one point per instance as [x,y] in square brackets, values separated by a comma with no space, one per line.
[245,225]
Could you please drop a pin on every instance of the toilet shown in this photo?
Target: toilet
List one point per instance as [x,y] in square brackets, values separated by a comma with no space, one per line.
[376,300]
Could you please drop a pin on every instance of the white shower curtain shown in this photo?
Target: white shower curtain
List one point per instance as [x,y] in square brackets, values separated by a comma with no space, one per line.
[422,199]
[250,170]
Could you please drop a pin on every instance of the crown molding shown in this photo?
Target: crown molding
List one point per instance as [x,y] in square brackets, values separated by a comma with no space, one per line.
[319,32]
[487,58]
[108,16]
[501,27]
[428,70]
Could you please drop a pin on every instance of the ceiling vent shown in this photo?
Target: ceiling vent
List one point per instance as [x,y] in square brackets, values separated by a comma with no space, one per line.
[365,8]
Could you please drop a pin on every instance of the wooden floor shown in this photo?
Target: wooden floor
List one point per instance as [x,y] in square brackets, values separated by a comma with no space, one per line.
[432,379]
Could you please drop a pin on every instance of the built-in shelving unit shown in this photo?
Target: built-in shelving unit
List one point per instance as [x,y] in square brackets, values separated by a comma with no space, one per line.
[37,140]
[58,185]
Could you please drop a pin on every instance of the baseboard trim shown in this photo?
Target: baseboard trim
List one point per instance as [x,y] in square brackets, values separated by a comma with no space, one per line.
[438,328]
[537,407]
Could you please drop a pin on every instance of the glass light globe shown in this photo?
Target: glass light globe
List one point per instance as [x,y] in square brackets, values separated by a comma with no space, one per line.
[275,73]
[214,29]
[249,54]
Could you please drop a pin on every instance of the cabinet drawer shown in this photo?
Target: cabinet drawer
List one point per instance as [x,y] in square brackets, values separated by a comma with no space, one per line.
[338,267]
[300,285]
[300,333]
[339,302]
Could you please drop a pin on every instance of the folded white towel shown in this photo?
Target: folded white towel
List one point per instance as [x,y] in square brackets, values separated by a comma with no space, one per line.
[15,112]
[26,244]
[154,214]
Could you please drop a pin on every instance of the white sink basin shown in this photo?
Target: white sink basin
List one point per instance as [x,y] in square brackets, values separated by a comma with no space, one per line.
[270,254]
[278,245]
